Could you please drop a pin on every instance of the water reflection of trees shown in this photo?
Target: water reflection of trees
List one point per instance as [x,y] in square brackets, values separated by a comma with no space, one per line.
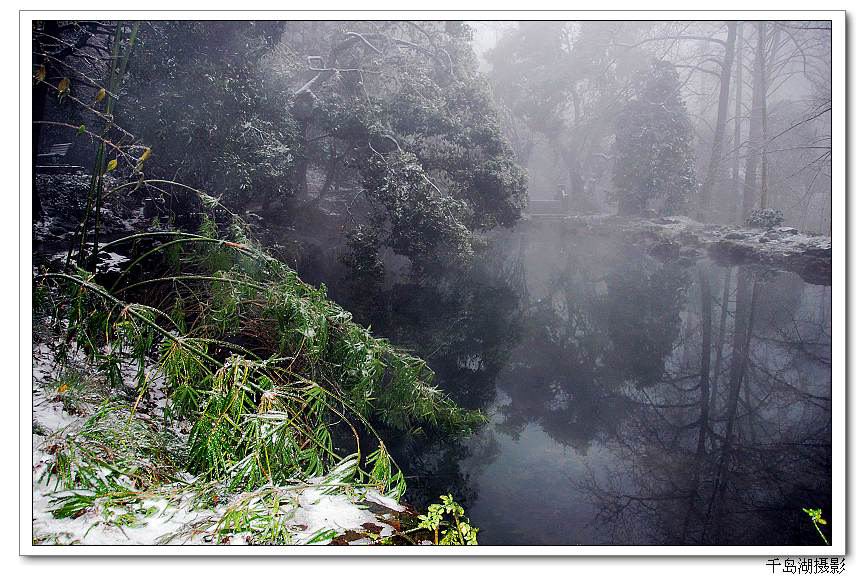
[464,323]
[708,387]
[602,321]
[735,440]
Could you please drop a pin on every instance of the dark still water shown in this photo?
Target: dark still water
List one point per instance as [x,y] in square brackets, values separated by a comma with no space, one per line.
[631,399]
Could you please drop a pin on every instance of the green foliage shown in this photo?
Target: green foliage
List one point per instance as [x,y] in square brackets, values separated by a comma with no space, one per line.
[816,516]
[261,112]
[653,159]
[264,410]
[365,267]
[382,473]
[115,450]
[267,514]
[438,521]
[198,97]
[401,107]
[425,224]
[74,389]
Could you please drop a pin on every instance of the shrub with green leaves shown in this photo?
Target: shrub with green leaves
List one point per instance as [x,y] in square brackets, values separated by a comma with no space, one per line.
[114,451]
[448,524]
[266,368]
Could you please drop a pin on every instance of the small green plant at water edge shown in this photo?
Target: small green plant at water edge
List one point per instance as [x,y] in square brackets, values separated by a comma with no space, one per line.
[460,533]
[816,515]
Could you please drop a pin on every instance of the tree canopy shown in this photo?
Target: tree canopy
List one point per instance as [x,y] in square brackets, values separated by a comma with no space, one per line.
[275,117]
[653,159]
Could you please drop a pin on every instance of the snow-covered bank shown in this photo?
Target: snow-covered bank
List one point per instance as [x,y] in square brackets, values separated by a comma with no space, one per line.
[316,511]
[808,255]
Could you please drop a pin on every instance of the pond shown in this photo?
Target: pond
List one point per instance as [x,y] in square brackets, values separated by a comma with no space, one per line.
[631,399]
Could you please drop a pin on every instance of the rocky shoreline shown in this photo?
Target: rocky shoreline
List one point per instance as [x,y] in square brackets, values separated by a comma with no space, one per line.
[808,255]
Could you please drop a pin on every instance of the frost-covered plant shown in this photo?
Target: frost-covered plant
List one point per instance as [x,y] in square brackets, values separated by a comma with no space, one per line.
[765,218]
[421,221]
[266,367]
[653,156]
[114,450]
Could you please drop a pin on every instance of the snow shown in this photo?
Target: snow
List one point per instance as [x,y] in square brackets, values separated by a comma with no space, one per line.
[780,238]
[94,526]
[318,511]
[807,254]
[169,515]
[377,498]
[111,262]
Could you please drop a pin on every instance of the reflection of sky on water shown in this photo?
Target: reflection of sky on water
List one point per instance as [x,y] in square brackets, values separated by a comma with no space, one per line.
[606,427]
[526,489]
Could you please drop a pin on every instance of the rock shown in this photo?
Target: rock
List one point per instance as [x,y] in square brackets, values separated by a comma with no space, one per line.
[689,237]
[665,249]
[689,253]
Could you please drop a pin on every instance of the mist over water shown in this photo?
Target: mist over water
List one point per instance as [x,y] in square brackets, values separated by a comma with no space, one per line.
[588,365]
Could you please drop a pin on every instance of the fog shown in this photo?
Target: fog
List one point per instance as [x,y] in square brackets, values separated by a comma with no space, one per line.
[576,275]
[586,76]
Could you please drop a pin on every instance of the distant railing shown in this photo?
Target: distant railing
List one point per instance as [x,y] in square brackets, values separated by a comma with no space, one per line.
[57,150]
[548,207]
[54,153]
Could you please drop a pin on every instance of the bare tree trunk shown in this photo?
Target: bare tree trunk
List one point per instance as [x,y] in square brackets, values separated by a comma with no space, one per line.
[764,118]
[722,335]
[721,122]
[737,137]
[755,131]
[705,359]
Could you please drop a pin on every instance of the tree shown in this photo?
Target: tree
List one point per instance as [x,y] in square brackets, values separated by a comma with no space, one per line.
[756,125]
[565,81]
[387,123]
[653,160]
[721,123]
[198,97]
[399,110]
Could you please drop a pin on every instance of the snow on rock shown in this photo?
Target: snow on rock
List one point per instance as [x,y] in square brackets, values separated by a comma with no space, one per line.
[784,247]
